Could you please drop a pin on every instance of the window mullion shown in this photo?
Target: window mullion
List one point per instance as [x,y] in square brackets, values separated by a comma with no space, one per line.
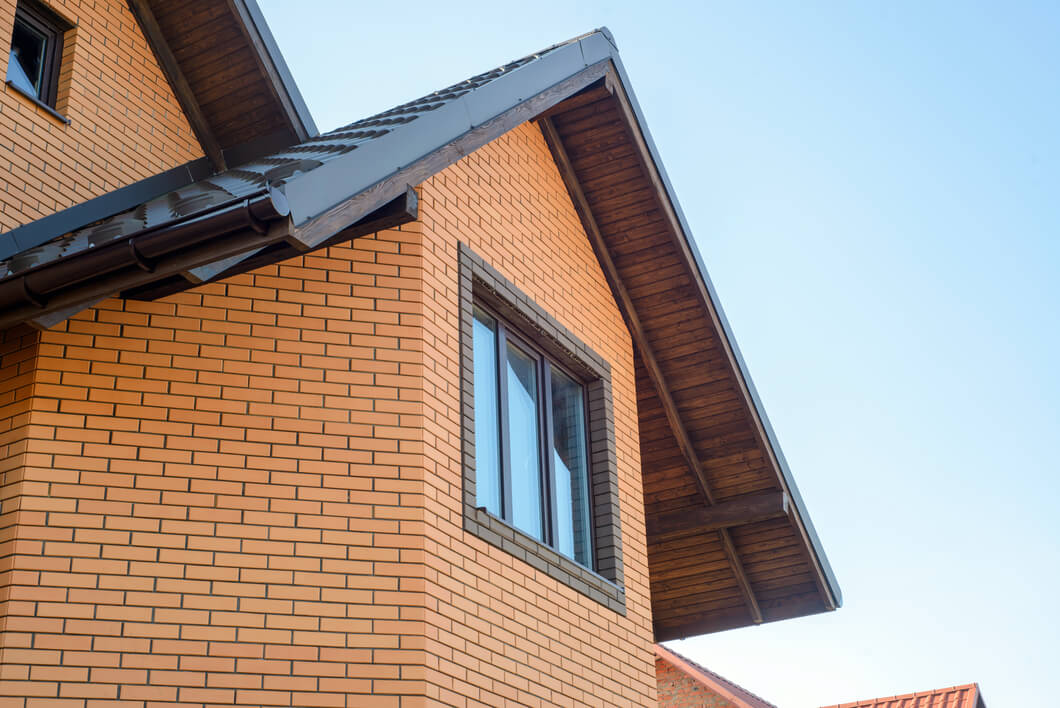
[502,415]
[549,481]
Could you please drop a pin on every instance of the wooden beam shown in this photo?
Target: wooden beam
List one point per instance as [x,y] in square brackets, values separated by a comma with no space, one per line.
[141,9]
[647,354]
[726,514]
[585,97]
[680,241]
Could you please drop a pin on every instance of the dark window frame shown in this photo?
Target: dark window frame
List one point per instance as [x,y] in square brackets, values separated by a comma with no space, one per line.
[544,363]
[480,284]
[44,21]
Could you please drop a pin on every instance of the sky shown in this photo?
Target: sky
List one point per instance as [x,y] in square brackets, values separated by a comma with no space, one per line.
[875,189]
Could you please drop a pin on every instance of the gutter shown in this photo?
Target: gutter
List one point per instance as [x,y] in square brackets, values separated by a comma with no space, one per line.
[60,284]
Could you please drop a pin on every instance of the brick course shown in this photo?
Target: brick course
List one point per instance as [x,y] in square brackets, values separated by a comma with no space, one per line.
[251,492]
[125,123]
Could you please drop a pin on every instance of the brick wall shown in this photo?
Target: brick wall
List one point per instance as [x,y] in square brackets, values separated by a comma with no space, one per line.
[499,629]
[679,690]
[250,492]
[125,123]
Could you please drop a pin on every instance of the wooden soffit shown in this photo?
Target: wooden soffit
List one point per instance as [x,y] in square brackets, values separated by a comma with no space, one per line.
[229,77]
[729,543]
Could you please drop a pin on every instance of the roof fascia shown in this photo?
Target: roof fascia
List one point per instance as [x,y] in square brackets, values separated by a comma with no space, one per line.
[275,68]
[743,372]
[315,193]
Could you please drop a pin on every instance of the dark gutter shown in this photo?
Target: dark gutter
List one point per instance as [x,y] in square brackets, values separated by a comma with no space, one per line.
[139,257]
[61,222]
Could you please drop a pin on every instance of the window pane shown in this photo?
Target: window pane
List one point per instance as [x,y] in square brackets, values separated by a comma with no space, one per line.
[573,535]
[26,66]
[487,422]
[523,438]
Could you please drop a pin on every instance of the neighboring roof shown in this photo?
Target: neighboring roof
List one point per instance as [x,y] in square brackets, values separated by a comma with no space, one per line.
[966,696]
[718,684]
[730,540]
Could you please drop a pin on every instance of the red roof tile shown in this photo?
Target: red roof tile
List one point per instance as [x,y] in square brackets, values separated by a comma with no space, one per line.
[719,684]
[966,696]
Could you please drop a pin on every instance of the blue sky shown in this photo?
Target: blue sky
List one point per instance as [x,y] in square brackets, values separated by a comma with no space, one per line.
[874,187]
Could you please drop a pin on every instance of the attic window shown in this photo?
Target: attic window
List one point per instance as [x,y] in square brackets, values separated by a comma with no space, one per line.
[540,463]
[36,52]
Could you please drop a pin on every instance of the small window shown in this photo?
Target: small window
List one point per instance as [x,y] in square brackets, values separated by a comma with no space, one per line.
[532,440]
[36,50]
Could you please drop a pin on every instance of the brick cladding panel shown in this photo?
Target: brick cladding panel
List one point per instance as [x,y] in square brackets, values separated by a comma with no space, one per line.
[679,690]
[125,123]
[500,631]
[249,493]
[221,498]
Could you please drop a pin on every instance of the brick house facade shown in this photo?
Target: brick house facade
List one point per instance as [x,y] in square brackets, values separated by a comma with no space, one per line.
[237,434]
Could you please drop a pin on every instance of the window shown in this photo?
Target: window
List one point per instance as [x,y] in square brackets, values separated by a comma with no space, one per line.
[36,50]
[540,462]
[532,462]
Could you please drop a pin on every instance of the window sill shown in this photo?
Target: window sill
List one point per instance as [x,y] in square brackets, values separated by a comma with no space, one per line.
[40,104]
[499,533]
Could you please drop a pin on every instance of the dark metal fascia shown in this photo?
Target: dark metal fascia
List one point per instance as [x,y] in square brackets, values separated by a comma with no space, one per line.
[789,480]
[304,125]
[61,222]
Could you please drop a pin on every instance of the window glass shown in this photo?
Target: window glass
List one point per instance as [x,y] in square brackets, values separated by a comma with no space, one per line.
[570,463]
[25,68]
[487,421]
[523,442]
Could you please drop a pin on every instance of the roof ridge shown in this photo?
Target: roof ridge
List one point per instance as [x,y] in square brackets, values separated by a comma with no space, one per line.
[945,693]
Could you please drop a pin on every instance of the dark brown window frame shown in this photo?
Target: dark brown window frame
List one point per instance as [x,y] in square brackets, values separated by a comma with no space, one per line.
[45,21]
[481,283]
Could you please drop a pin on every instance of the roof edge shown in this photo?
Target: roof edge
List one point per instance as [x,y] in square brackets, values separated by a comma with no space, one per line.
[712,680]
[269,53]
[727,335]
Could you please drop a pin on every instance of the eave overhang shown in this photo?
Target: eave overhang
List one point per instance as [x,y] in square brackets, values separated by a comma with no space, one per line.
[730,542]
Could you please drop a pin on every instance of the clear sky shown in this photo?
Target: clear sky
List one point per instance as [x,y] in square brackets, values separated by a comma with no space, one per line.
[875,188]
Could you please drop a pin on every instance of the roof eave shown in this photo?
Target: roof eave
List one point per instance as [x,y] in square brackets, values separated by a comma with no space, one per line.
[786,478]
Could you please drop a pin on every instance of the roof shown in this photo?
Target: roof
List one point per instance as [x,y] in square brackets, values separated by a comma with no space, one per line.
[730,540]
[966,696]
[274,170]
[719,684]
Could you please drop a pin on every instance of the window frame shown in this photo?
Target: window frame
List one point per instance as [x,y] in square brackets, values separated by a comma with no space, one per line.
[544,363]
[481,285]
[46,22]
